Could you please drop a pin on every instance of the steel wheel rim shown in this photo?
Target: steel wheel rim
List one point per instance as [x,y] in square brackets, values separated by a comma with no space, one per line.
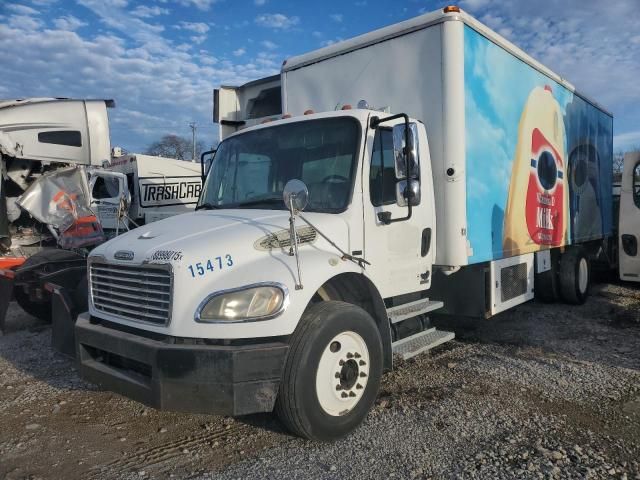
[343,372]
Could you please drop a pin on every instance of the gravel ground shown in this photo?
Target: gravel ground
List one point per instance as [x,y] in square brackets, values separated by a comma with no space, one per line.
[542,391]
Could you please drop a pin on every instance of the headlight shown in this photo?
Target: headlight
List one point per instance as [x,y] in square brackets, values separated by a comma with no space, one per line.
[256,302]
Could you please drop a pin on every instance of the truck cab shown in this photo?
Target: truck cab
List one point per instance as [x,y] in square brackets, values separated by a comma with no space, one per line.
[237,275]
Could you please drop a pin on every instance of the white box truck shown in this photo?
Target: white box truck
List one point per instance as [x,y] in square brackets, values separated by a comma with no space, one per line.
[468,179]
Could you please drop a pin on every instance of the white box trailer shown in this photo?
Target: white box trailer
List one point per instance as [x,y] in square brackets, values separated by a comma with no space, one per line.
[468,177]
[480,98]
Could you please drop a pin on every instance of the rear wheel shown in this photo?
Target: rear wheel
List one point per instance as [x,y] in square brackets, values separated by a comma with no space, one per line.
[332,373]
[575,276]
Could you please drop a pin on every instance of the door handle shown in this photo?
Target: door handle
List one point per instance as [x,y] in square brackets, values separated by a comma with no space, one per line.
[426,242]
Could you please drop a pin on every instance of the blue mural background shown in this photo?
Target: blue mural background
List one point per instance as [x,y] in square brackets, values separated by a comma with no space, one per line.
[497,88]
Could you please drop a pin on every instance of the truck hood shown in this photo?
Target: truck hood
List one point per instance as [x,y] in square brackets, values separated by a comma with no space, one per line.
[199,234]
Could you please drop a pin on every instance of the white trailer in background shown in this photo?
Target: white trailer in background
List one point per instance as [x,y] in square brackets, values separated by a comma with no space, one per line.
[443,170]
[629,219]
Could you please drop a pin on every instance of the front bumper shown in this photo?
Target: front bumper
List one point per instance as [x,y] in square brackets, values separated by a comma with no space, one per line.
[198,378]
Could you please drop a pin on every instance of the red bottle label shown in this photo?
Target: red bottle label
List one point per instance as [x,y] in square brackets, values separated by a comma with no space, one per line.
[545,194]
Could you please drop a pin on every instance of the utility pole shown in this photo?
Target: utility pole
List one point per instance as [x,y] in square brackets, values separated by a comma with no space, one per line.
[193,127]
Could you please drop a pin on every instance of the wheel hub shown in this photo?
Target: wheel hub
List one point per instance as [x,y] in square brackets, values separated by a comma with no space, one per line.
[349,374]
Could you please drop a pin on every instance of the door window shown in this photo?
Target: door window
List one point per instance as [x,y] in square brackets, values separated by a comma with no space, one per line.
[105,187]
[382,175]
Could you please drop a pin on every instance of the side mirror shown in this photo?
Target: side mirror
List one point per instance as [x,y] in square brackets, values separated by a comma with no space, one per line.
[295,195]
[203,160]
[408,191]
[402,149]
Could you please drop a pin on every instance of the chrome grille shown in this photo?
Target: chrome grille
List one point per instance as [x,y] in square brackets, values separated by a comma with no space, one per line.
[140,293]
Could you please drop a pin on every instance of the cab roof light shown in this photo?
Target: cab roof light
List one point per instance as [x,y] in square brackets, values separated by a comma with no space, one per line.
[346,107]
[309,112]
[287,115]
[451,9]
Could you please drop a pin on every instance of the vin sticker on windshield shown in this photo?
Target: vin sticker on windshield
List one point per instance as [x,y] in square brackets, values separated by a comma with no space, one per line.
[166,256]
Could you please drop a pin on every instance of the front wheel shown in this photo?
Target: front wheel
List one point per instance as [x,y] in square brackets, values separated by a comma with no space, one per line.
[332,373]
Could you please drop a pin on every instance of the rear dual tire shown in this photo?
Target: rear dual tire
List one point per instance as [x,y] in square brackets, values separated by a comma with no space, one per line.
[332,372]
[568,279]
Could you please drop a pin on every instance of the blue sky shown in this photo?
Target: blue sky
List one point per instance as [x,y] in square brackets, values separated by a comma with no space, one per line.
[161,59]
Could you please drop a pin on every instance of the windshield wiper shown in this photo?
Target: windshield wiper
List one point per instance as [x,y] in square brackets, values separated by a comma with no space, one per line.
[207,206]
[260,201]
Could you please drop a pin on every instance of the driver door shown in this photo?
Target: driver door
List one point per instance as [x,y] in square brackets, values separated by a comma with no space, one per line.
[109,197]
[400,253]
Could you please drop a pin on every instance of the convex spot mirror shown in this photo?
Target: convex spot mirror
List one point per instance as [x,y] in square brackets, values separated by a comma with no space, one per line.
[295,195]
[408,190]
[400,151]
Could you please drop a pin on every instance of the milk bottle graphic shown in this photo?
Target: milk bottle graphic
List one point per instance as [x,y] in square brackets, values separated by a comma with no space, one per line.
[537,206]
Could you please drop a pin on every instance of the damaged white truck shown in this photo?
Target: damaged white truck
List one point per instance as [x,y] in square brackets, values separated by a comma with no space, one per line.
[444,171]
[63,191]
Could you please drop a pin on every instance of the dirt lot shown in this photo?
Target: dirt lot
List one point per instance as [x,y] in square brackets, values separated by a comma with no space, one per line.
[543,391]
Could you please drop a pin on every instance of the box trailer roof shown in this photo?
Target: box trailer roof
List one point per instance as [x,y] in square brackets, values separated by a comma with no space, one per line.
[6,103]
[419,23]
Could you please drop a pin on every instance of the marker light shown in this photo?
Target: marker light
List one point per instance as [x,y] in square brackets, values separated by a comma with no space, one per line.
[451,9]
[363,104]
[346,107]
[252,303]
[287,115]
[308,112]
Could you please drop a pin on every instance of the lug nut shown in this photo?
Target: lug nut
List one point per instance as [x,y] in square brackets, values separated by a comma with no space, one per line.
[338,387]
[357,355]
[359,387]
[349,355]
[344,395]
[362,363]
[341,362]
[337,375]
[351,394]
[362,374]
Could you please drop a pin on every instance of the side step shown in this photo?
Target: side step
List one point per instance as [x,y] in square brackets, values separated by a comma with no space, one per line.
[420,342]
[412,309]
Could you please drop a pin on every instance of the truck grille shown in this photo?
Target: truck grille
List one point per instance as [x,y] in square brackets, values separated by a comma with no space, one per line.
[140,293]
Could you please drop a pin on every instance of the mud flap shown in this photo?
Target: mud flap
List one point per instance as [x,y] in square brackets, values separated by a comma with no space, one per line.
[62,320]
[6,294]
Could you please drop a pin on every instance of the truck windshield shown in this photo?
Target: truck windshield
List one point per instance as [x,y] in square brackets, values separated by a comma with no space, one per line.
[251,170]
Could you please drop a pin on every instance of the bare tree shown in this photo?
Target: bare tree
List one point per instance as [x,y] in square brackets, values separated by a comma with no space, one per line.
[173,146]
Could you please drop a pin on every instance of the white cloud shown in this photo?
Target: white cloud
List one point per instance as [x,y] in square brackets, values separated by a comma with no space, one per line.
[196,27]
[337,17]
[269,45]
[259,3]
[25,22]
[239,52]
[276,20]
[68,22]
[21,9]
[144,11]
[199,4]
[158,85]
[627,141]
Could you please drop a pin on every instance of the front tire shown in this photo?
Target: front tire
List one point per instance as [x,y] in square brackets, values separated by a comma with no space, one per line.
[575,276]
[332,373]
